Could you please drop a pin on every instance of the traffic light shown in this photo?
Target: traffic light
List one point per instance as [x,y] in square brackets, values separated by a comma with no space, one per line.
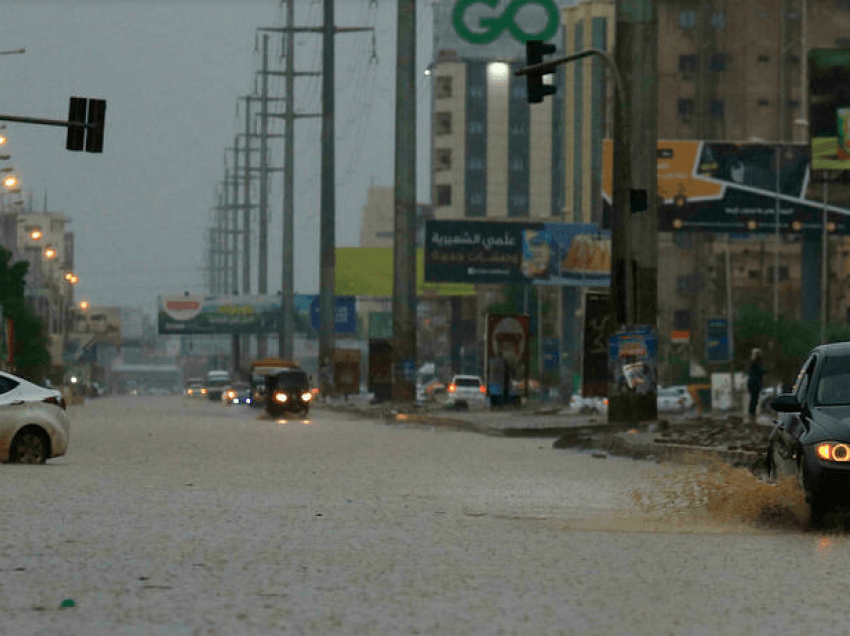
[76,115]
[86,118]
[95,120]
[534,52]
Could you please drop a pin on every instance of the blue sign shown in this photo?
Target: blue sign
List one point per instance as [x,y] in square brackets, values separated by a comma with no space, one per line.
[345,317]
[550,354]
[717,340]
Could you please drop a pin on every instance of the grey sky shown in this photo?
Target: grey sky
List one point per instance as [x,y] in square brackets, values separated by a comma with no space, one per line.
[171,72]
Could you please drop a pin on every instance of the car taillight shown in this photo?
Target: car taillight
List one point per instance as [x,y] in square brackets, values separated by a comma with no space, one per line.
[482,389]
[451,388]
[58,401]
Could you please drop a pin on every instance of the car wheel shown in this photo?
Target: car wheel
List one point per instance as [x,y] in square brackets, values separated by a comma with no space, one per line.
[29,447]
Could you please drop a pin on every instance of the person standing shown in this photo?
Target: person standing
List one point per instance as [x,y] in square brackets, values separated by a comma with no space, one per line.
[755,380]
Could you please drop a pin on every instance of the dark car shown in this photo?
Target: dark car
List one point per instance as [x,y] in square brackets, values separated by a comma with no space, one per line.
[288,392]
[811,438]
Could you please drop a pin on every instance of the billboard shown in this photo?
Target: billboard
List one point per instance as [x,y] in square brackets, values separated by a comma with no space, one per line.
[195,314]
[368,271]
[508,342]
[715,186]
[563,254]
[829,111]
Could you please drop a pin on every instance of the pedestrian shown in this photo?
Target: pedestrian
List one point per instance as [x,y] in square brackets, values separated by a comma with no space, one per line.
[754,381]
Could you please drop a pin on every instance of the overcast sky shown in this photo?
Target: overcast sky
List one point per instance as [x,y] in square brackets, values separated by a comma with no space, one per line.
[172,72]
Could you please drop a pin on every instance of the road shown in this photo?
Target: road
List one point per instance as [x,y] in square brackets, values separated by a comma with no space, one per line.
[179,516]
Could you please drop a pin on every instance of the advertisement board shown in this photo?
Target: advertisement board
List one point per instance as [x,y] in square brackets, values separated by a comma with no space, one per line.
[196,314]
[717,340]
[562,254]
[829,112]
[732,187]
[507,347]
[598,324]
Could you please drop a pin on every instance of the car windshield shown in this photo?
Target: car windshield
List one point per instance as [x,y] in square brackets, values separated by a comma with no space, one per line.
[834,384]
[291,379]
[467,382]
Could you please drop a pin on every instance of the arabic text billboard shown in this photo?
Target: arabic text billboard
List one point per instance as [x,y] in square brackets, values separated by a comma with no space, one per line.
[565,254]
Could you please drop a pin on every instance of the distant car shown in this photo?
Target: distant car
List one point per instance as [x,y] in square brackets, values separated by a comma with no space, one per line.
[672,399]
[239,393]
[429,389]
[195,388]
[811,437]
[588,405]
[34,422]
[466,387]
[215,384]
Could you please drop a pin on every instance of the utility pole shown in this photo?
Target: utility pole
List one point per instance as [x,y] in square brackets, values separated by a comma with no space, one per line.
[404,245]
[286,347]
[327,232]
[246,193]
[634,216]
[327,238]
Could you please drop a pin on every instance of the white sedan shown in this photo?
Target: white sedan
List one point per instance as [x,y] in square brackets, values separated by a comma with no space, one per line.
[674,399]
[34,422]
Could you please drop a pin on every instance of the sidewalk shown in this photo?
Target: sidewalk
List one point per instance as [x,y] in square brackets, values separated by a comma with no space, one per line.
[670,438]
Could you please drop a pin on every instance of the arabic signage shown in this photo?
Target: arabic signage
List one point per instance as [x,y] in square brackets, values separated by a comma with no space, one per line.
[717,340]
[195,314]
[598,324]
[563,254]
[829,110]
[731,188]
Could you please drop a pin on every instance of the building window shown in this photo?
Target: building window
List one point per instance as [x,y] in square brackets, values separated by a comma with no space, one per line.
[687,19]
[517,164]
[475,127]
[718,19]
[764,58]
[518,129]
[763,102]
[686,107]
[754,273]
[476,91]
[444,195]
[442,123]
[717,108]
[681,319]
[793,103]
[717,62]
[783,272]
[442,159]
[687,63]
[475,163]
[476,198]
[443,87]
[518,90]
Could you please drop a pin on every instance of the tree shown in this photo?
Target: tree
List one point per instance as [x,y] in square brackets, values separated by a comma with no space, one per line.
[785,343]
[30,355]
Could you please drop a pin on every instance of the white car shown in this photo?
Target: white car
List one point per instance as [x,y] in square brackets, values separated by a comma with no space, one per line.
[466,387]
[674,399]
[34,422]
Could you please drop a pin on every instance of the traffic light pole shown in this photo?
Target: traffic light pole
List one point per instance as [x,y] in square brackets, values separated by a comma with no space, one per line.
[634,215]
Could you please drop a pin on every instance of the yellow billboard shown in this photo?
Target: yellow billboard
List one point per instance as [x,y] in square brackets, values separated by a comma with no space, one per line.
[368,271]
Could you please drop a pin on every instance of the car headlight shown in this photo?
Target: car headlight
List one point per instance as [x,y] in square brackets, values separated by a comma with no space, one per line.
[280,397]
[306,396]
[833,451]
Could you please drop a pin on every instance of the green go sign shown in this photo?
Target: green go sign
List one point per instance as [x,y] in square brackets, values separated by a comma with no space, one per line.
[493,27]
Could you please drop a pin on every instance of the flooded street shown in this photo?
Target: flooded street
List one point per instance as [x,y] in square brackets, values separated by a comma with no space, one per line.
[176,516]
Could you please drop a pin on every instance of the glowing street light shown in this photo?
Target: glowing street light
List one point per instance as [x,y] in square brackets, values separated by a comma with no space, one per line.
[50,253]
[10,181]
[84,304]
[72,278]
[36,234]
